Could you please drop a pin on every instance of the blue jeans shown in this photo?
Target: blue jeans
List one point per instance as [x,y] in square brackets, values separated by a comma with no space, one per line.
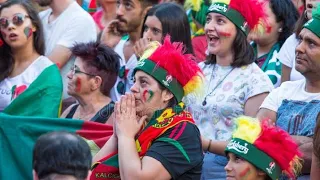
[213,167]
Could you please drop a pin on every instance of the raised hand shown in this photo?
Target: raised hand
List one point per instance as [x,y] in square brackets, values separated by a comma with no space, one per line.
[141,46]
[127,123]
[111,35]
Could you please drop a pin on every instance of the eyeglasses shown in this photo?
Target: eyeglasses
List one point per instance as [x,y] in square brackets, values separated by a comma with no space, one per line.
[74,71]
[18,20]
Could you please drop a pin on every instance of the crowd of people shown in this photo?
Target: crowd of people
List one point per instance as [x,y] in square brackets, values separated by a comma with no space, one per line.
[195,89]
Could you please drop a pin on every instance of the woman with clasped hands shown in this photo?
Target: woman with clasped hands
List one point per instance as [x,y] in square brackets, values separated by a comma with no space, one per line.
[154,137]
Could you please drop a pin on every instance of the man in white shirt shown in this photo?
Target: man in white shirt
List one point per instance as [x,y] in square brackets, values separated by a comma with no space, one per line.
[295,105]
[129,20]
[65,23]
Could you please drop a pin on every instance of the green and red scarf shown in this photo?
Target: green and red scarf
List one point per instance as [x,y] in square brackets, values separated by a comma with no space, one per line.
[108,167]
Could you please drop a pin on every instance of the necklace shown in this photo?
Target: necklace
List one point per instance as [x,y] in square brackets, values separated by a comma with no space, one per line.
[218,84]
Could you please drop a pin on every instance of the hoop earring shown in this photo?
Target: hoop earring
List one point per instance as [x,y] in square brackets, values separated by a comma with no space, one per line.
[305,14]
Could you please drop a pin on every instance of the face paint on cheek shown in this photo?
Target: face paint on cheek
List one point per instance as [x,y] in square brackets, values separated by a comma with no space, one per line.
[245,173]
[224,34]
[147,95]
[78,85]
[269,29]
[28,31]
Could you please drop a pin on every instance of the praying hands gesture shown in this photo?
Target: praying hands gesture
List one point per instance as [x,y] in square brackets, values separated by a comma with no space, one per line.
[127,123]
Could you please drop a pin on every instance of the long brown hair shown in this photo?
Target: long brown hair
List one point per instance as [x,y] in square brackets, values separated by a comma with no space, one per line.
[7,61]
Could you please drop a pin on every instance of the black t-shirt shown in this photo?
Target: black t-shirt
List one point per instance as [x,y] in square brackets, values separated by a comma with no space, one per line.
[179,150]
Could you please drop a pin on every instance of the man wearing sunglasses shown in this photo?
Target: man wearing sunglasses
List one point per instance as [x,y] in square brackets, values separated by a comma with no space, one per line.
[65,23]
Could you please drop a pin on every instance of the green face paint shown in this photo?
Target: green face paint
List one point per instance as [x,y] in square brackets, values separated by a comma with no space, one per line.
[147,95]
[28,31]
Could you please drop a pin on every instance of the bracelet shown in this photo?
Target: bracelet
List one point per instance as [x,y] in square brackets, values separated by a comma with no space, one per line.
[209,145]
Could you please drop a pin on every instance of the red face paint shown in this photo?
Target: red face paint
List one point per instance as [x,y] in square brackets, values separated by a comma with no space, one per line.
[269,28]
[225,34]
[244,174]
[147,95]
[78,84]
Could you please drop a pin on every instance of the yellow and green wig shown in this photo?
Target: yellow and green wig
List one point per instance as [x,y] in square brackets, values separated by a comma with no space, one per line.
[246,15]
[314,24]
[265,146]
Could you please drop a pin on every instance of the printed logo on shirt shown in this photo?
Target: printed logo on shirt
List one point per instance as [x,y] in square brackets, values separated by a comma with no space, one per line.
[5,92]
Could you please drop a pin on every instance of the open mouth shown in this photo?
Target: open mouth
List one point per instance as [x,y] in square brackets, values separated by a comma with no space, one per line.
[212,38]
[12,35]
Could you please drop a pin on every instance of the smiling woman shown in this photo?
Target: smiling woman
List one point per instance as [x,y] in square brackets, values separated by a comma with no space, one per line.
[23,65]
[235,84]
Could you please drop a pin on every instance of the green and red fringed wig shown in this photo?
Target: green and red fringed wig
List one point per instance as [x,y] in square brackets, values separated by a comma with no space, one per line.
[246,15]
[276,151]
[172,68]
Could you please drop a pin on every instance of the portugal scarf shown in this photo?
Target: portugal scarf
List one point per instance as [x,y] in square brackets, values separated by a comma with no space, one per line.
[108,167]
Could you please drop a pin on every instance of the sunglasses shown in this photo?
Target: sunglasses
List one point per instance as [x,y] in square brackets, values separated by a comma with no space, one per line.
[17,20]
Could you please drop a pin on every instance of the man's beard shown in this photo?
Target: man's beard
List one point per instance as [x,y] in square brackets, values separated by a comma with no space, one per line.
[130,26]
[44,3]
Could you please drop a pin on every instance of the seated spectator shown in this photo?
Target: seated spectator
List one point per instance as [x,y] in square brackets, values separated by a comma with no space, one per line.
[122,35]
[234,86]
[61,156]
[161,20]
[295,105]
[23,66]
[105,14]
[65,23]
[282,16]
[259,151]
[91,78]
[287,51]
[169,145]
